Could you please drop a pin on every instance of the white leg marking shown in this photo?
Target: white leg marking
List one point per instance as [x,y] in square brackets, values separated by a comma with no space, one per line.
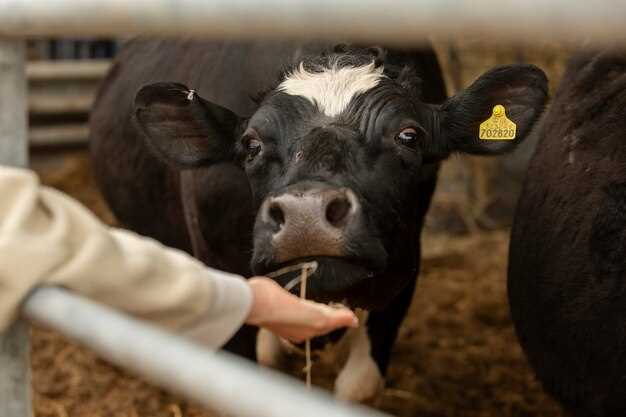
[269,350]
[359,380]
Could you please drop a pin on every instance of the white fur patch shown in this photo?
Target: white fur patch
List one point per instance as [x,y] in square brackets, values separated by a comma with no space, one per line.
[331,90]
[268,349]
[359,380]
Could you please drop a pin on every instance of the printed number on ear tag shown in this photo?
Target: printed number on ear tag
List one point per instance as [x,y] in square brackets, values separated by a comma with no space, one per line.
[498,126]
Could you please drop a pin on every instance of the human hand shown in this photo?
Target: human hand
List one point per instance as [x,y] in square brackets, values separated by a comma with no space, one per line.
[290,317]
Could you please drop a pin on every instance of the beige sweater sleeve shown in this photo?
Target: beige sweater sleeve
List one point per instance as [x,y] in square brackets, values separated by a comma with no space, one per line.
[48,238]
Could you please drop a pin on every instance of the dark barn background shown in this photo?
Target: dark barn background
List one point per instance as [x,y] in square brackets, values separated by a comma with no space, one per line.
[457,354]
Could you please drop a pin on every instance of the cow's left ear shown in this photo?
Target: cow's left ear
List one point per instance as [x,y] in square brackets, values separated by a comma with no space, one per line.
[182,128]
[517,93]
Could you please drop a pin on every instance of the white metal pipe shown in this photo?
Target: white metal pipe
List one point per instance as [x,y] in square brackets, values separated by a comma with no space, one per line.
[13,107]
[15,386]
[15,373]
[403,21]
[219,381]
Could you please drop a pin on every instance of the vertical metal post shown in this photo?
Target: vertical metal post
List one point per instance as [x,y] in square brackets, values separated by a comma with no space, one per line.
[13,110]
[15,381]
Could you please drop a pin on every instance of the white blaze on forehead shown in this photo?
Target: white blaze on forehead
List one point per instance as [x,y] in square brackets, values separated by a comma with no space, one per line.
[332,89]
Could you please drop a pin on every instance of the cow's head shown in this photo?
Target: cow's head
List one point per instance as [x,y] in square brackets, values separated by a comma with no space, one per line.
[335,155]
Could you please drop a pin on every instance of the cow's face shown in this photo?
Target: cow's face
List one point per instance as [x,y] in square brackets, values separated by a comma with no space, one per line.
[335,155]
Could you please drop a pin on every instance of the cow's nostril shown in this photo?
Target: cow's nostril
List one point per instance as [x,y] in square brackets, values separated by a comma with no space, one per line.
[277,214]
[337,211]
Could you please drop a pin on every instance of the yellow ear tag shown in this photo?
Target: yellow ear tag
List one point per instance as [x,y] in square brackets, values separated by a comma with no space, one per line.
[498,126]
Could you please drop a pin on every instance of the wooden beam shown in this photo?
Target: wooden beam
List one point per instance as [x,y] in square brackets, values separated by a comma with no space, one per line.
[15,381]
[91,69]
[59,135]
[57,104]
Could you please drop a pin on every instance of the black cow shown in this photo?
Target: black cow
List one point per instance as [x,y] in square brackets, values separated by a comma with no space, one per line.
[260,155]
[567,270]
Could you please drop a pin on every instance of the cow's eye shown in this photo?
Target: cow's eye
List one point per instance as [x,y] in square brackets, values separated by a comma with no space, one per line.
[253,145]
[409,136]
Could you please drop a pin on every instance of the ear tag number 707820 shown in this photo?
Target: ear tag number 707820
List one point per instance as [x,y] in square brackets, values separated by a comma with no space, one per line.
[498,126]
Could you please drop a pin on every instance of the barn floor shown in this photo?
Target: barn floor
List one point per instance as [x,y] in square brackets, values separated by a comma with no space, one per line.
[457,355]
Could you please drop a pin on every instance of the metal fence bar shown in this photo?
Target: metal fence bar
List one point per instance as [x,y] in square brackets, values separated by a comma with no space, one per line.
[217,380]
[404,21]
[15,387]
[13,107]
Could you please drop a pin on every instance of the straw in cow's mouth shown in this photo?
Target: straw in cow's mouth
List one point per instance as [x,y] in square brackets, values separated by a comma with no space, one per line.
[310,268]
[306,269]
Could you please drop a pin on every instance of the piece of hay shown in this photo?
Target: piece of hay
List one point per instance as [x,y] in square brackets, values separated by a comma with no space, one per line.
[306,269]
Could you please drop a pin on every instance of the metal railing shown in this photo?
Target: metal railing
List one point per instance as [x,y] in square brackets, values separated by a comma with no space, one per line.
[401,21]
[215,379]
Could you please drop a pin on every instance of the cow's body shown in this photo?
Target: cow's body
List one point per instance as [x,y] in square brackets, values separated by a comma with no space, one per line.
[346,132]
[567,272]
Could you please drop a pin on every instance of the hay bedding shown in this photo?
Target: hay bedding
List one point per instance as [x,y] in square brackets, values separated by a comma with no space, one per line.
[456,355]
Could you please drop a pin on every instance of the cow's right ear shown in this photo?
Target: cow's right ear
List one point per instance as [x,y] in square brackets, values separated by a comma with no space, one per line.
[182,128]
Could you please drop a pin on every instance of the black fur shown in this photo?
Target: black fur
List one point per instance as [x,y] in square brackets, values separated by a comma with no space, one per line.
[568,245]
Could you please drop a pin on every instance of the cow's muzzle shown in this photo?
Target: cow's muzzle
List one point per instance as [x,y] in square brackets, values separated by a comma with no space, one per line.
[311,223]
[324,223]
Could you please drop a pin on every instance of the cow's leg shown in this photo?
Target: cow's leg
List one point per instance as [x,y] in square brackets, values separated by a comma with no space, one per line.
[360,380]
[270,351]
[383,326]
[362,377]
